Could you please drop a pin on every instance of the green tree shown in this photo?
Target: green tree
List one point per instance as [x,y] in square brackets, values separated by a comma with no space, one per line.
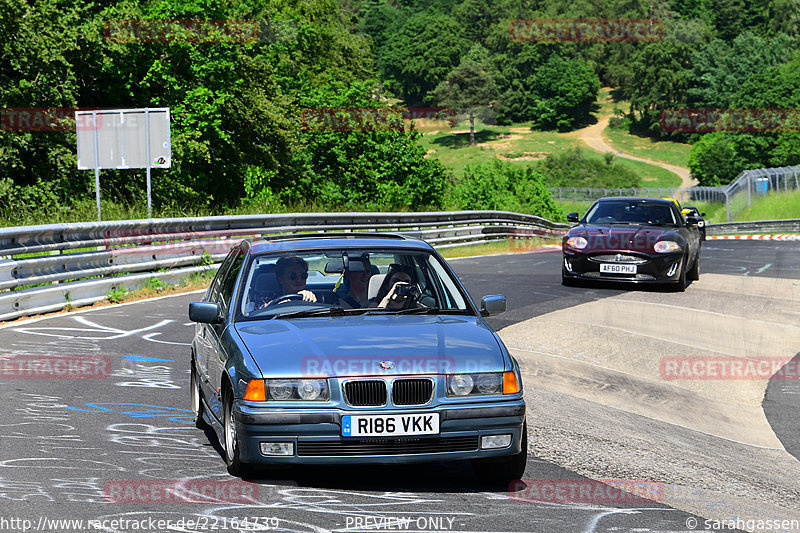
[720,68]
[468,87]
[719,157]
[661,77]
[421,53]
[566,91]
[366,161]
[504,186]
[714,160]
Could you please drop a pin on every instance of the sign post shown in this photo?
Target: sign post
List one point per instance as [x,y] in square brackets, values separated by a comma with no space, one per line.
[124,138]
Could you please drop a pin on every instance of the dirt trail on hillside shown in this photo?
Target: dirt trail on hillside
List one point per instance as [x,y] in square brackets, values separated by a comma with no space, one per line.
[593,137]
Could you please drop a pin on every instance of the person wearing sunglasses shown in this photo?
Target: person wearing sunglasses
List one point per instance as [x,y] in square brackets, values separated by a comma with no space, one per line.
[397,289]
[291,273]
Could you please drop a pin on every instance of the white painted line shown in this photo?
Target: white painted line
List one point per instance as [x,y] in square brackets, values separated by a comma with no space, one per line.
[21,322]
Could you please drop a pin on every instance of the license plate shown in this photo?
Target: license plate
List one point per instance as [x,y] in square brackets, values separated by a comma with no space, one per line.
[612,268]
[390,425]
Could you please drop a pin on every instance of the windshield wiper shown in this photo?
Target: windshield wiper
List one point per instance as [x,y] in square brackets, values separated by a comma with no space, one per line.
[415,311]
[312,312]
[420,311]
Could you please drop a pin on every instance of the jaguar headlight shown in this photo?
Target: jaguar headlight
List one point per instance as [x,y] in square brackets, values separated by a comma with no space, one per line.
[579,243]
[297,390]
[663,247]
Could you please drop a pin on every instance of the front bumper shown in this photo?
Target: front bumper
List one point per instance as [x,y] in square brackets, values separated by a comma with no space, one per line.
[650,268]
[317,439]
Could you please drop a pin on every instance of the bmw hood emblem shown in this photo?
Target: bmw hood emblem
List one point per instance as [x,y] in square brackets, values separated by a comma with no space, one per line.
[386,365]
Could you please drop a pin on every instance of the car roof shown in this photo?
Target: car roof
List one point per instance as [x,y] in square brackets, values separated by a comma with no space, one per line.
[338,240]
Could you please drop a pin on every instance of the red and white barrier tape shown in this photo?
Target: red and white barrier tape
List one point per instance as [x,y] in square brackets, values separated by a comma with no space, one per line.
[758,237]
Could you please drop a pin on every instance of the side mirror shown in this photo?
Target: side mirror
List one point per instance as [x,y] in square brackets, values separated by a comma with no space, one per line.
[573,217]
[494,304]
[702,214]
[204,312]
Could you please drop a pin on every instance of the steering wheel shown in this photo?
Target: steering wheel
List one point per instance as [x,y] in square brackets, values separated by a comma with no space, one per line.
[284,298]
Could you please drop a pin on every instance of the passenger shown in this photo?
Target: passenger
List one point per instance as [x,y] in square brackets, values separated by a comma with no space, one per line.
[357,278]
[388,298]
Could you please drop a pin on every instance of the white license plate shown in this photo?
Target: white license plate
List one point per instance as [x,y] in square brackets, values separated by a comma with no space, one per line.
[613,268]
[390,425]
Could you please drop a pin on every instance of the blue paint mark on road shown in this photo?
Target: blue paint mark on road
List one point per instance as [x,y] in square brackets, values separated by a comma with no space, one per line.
[143,359]
[182,416]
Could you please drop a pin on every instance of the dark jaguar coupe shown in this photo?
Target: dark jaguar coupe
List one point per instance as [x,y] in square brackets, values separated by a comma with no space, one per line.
[633,240]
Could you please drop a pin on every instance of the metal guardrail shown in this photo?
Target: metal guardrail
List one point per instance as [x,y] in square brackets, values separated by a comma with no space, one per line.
[760,226]
[49,267]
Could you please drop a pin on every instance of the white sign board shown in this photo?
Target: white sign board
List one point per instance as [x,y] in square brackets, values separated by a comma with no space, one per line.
[122,136]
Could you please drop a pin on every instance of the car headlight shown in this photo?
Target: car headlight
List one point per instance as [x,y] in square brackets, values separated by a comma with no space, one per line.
[460,385]
[297,389]
[579,243]
[310,389]
[483,384]
[663,247]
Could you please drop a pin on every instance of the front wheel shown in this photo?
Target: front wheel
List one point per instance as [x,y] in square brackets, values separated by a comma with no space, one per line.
[505,470]
[197,402]
[694,272]
[231,440]
[680,285]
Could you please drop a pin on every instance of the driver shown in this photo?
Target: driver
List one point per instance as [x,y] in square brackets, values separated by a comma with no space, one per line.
[291,273]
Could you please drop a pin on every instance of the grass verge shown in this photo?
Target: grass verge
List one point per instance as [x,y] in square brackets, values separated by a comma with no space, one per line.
[664,151]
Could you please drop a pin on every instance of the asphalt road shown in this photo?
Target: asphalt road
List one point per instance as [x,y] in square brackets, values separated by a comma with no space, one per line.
[71,446]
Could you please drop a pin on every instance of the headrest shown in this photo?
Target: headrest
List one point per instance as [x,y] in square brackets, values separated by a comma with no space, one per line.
[375,284]
[264,280]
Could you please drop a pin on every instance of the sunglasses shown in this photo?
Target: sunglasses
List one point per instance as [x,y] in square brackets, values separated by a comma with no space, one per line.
[294,275]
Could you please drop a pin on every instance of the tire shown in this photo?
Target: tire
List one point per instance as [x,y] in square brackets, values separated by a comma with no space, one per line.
[506,470]
[231,444]
[197,402]
[680,285]
[694,272]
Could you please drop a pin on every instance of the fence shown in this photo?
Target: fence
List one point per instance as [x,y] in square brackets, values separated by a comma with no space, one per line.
[577,194]
[737,195]
[46,268]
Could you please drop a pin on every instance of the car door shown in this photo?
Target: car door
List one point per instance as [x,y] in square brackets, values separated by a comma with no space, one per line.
[204,334]
[219,356]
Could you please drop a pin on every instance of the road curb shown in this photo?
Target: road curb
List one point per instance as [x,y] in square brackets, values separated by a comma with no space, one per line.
[758,237]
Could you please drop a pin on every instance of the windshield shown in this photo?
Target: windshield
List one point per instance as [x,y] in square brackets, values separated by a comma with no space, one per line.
[637,212]
[340,282]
